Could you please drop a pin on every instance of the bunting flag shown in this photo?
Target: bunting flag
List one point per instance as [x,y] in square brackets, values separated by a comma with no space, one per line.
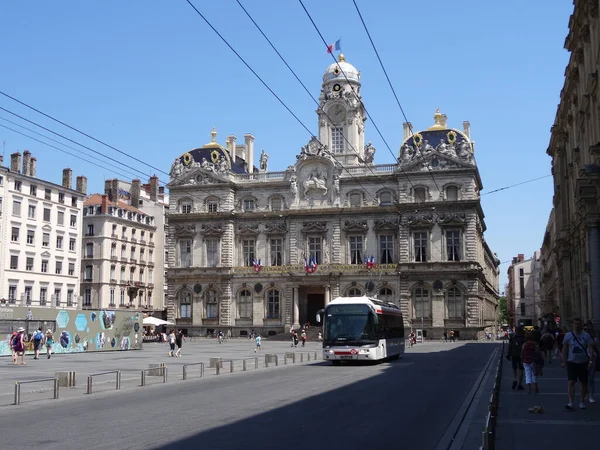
[310,265]
[256,264]
[370,262]
[335,47]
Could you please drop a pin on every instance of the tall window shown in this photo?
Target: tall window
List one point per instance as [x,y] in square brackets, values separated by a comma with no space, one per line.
[29,264]
[87,297]
[89,250]
[273,304]
[59,242]
[451,193]
[354,292]
[186,206]
[212,305]
[356,249]
[30,236]
[60,218]
[71,269]
[72,243]
[212,206]
[315,249]
[59,266]
[185,305]
[57,295]
[16,208]
[185,253]
[420,241]
[212,252]
[88,273]
[385,199]
[31,211]
[276,251]
[113,270]
[123,251]
[14,236]
[522,283]
[14,262]
[43,296]
[70,297]
[28,290]
[386,249]
[111,297]
[421,301]
[522,306]
[248,251]
[420,194]
[123,276]
[46,214]
[113,250]
[337,140]
[386,295]
[245,304]
[248,204]
[453,245]
[455,303]
[12,293]
[44,265]
[90,229]
[46,240]
[122,297]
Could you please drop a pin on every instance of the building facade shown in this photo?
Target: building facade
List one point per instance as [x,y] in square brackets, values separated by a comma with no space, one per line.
[256,249]
[523,295]
[40,229]
[119,252]
[574,240]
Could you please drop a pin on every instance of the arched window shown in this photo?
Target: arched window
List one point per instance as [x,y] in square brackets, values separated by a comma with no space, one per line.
[273,304]
[386,295]
[385,198]
[455,303]
[245,304]
[185,304]
[212,304]
[452,193]
[421,301]
[354,292]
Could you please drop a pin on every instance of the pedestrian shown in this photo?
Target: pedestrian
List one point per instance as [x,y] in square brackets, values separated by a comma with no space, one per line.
[18,346]
[530,355]
[179,338]
[577,348]
[589,328]
[258,340]
[303,337]
[38,337]
[548,342]
[515,345]
[49,342]
[172,343]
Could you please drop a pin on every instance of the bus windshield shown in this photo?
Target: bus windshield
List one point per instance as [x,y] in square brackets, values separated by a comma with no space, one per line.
[349,325]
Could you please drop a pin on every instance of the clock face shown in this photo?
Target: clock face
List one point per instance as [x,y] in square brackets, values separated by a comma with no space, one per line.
[336,87]
[337,113]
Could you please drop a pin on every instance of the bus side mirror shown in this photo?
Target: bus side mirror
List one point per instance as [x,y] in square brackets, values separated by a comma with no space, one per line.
[319,313]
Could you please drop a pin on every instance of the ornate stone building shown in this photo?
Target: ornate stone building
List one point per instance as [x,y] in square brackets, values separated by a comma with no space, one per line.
[254,249]
[571,247]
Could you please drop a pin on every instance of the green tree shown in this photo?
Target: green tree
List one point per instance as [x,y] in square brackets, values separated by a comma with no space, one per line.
[503,310]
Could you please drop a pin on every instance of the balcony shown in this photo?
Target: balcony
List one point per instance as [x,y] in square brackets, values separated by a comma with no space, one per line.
[133,240]
[88,256]
[114,236]
[143,261]
[113,280]
[139,284]
[150,263]
[124,259]
[150,285]
[151,244]
[123,237]
[132,260]
[114,257]
[89,234]
[143,241]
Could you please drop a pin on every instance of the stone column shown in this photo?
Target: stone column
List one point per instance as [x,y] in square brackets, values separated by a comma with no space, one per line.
[594,249]
[296,307]
[327,294]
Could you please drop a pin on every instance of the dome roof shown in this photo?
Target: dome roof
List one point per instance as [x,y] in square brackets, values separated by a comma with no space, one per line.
[333,72]
[438,133]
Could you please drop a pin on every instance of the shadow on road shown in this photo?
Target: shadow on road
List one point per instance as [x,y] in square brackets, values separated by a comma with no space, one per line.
[407,403]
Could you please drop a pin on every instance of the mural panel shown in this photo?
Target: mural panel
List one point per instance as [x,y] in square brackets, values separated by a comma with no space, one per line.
[74,330]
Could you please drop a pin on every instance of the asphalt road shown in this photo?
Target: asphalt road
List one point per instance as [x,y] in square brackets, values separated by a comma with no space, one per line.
[409,403]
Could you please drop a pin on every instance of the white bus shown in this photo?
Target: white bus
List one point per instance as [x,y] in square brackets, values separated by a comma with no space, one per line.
[361,329]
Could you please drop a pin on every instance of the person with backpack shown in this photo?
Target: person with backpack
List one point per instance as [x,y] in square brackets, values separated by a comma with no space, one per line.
[49,341]
[38,336]
[532,359]
[515,345]
[548,343]
[577,355]
[18,346]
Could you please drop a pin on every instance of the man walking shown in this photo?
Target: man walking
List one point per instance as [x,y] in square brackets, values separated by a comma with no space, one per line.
[577,355]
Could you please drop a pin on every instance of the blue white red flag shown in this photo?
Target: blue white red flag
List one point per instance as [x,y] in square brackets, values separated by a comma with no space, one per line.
[335,47]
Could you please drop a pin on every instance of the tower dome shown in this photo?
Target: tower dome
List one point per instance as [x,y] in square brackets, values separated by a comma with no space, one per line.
[333,72]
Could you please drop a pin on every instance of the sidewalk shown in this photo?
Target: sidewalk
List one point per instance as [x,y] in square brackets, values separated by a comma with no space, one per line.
[557,427]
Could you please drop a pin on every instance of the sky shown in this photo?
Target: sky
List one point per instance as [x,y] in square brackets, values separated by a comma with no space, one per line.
[151,79]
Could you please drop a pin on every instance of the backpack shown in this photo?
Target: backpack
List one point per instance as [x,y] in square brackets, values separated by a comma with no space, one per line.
[514,346]
[38,336]
[15,340]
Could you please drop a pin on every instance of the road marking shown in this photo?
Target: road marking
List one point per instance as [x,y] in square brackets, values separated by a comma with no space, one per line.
[550,422]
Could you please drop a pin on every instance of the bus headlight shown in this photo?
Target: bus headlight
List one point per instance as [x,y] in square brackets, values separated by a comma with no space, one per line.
[364,350]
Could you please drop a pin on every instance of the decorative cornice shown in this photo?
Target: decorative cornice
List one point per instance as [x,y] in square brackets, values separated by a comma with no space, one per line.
[452,219]
[212,230]
[356,226]
[420,220]
[385,224]
[275,228]
[248,229]
[314,227]
[185,230]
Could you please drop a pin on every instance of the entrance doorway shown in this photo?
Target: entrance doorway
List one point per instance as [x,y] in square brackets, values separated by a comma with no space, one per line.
[314,302]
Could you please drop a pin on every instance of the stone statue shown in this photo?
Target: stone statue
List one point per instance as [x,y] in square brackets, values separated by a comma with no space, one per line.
[223,166]
[264,158]
[369,153]
[176,168]
[463,150]
[317,182]
[442,148]
[427,147]
[293,186]
[336,185]
[407,153]
[204,163]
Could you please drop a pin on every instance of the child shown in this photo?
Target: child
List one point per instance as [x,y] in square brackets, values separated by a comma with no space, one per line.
[49,342]
[258,339]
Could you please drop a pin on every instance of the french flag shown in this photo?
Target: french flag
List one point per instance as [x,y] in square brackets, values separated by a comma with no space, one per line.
[336,47]
[256,263]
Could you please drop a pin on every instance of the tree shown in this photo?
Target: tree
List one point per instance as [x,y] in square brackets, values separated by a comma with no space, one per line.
[503,310]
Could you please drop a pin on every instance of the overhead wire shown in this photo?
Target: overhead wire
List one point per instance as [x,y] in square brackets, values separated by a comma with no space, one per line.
[516,184]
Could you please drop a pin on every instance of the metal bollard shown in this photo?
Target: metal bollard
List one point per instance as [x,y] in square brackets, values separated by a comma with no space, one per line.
[118,386]
[17,393]
[89,385]
[218,369]
[256,363]
[309,357]
[143,378]
[56,389]
[301,357]
[244,365]
[164,374]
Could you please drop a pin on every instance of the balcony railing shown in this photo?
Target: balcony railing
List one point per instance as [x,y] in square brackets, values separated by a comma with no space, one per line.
[114,236]
[114,257]
[124,259]
[132,260]
[150,263]
[133,239]
[113,280]
[151,244]
[143,241]
[150,285]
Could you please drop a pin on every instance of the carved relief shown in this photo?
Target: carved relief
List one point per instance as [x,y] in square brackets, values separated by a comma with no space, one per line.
[212,230]
[385,224]
[185,230]
[452,218]
[314,227]
[420,220]
[275,228]
[316,183]
[356,225]
[248,229]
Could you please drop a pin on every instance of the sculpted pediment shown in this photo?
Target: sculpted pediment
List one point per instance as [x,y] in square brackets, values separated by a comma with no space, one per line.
[356,226]
[185,230]
[420,220]
[452,219]
[445,156]
[212,230]
[275,228]
[198,176]
[314,227]
[250,229]
[385,224]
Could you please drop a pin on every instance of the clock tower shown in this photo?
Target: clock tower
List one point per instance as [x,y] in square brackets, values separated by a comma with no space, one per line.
[341,113]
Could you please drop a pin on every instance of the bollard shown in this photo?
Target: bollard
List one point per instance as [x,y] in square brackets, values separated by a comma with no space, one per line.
[17,393]
[218,369]
[185,372]
[165,375]
[309,357]
[256,363]
[89,385]
[244,365]
[301,357]
[56,389]
[143,378]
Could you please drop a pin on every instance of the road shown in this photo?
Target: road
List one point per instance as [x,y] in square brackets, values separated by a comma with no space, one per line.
[410,402]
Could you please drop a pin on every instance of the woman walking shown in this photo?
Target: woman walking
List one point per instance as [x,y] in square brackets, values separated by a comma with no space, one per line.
[49,342]
[18,345]
[530,352]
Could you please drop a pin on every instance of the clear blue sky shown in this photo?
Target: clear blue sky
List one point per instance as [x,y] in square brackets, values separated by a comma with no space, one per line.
[152,79]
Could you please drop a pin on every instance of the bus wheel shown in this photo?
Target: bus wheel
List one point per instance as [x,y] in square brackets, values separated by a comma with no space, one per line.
[335,363]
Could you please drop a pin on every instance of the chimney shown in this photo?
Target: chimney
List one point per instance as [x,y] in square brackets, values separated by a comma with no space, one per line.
[104,204]
[111,188]
[26,162]
[15,162]
[407,126]
[135,193]
[521,257]
[1,160]
[232,150]
[249,141]
[107,187]
[444,121]
[81,184]
[154,188]
[33,166]
[467,128]
[67,180]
